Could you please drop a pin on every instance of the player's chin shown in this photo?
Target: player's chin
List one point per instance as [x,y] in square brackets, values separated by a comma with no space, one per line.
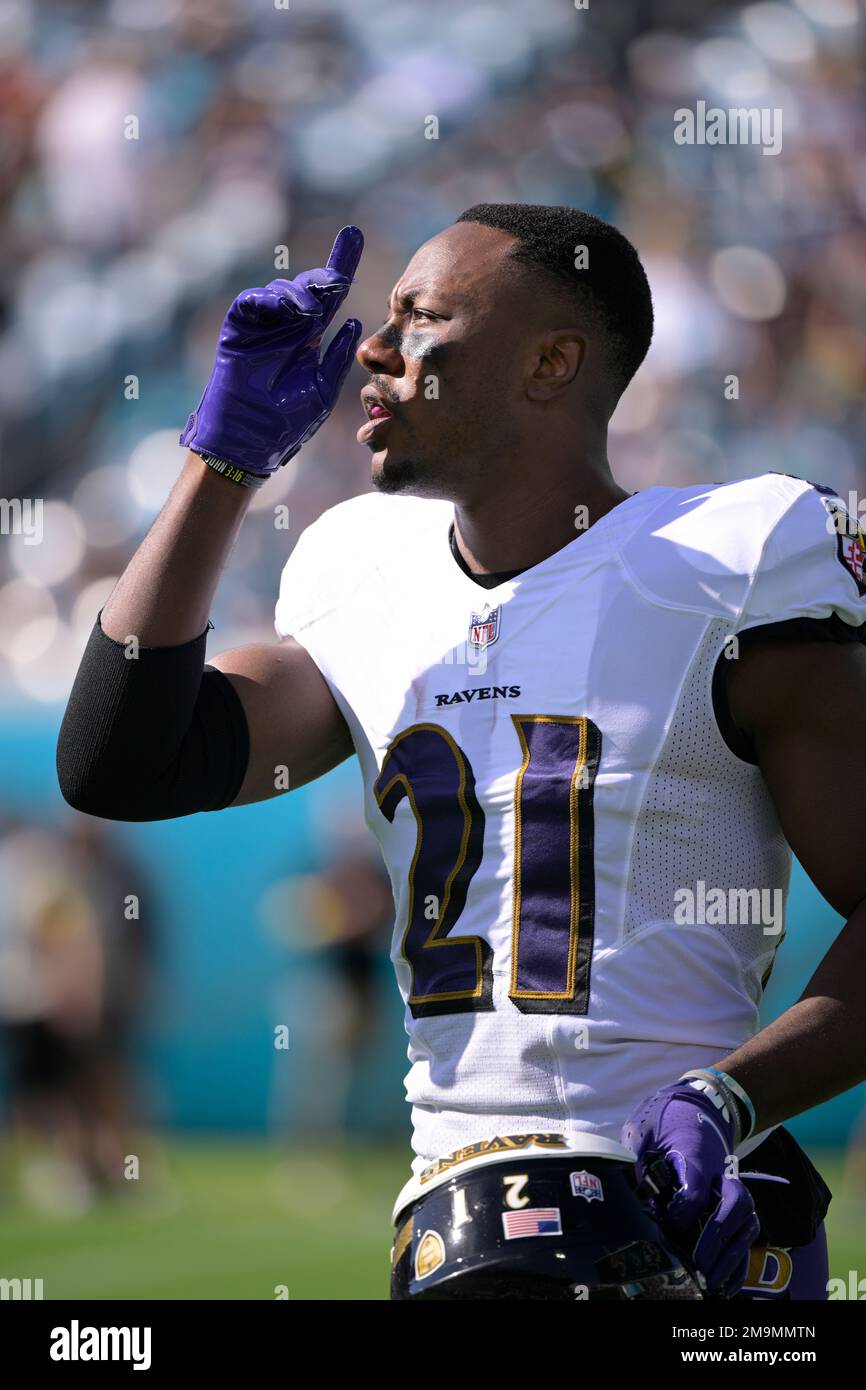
[415,471]
[395,473]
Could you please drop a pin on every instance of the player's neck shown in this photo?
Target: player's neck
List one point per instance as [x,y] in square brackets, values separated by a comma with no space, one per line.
[512,529]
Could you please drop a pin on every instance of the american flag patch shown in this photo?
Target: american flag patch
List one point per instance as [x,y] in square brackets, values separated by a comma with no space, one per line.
[532,1221]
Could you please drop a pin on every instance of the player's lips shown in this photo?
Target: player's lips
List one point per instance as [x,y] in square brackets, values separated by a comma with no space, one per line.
[379,412]
[376,405]
[375,426]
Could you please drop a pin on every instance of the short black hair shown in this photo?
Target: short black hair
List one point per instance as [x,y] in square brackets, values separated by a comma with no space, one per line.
[612,290]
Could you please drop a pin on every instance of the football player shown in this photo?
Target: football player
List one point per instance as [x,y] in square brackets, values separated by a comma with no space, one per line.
[592,727]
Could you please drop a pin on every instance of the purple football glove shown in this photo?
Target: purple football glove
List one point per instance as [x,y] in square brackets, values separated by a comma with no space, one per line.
[269,392]
[707,1217]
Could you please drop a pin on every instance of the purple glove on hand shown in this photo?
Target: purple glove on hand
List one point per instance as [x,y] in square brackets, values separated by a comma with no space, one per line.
[269,392]
[709,1218]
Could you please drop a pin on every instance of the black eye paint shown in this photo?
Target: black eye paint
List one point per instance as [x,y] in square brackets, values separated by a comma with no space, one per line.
[391,336]
[421,346]
[414,344]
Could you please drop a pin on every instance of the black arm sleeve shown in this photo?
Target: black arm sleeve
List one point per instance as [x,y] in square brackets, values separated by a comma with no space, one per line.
[832,629]
[150,737]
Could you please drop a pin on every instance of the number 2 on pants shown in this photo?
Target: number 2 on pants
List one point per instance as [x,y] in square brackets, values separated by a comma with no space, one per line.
[554,879]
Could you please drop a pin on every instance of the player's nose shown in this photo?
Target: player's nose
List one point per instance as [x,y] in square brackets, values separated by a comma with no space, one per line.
[380,353]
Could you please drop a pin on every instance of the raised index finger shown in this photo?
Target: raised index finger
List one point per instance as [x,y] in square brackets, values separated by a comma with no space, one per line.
[346,251]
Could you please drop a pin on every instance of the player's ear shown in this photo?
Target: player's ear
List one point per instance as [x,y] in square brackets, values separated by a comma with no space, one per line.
[557,360]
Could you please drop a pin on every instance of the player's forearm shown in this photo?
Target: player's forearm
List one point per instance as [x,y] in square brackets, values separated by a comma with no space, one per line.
[165,593]
[817,1048]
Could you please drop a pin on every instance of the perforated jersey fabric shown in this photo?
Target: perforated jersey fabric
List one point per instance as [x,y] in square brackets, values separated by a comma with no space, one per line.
[706,812]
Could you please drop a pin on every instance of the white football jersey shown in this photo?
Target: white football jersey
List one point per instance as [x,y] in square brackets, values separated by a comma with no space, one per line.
[589,882]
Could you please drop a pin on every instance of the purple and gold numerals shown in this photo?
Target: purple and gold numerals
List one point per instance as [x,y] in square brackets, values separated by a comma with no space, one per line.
[554,880]
[554,890]
[450,974]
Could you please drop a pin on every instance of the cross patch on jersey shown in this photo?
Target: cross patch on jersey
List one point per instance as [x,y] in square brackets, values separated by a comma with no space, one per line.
[850,541]
[852,553]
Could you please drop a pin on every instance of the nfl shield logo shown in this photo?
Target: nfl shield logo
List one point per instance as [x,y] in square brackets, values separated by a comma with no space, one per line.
[587,1185]
[483,628]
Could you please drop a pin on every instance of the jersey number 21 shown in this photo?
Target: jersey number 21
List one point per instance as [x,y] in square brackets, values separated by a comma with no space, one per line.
[553,881]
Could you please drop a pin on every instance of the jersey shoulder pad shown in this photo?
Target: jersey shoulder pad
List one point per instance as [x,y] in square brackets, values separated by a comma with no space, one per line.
[755,551]
[812,565]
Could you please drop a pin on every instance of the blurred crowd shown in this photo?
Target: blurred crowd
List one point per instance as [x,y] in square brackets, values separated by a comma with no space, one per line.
[76,961]
[159,155]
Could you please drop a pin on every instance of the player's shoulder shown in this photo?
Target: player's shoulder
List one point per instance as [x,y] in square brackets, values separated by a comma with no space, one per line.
[371,531]
[728,521]
[374,516]
[753,545]
[348,543]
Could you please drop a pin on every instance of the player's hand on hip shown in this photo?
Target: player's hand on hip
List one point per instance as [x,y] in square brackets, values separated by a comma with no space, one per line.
[270,388]
[706,1214]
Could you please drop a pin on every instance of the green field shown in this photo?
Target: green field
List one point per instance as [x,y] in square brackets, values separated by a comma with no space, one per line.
[229,1220]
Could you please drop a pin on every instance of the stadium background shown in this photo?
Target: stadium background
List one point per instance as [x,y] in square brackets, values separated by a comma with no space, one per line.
[259,128]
